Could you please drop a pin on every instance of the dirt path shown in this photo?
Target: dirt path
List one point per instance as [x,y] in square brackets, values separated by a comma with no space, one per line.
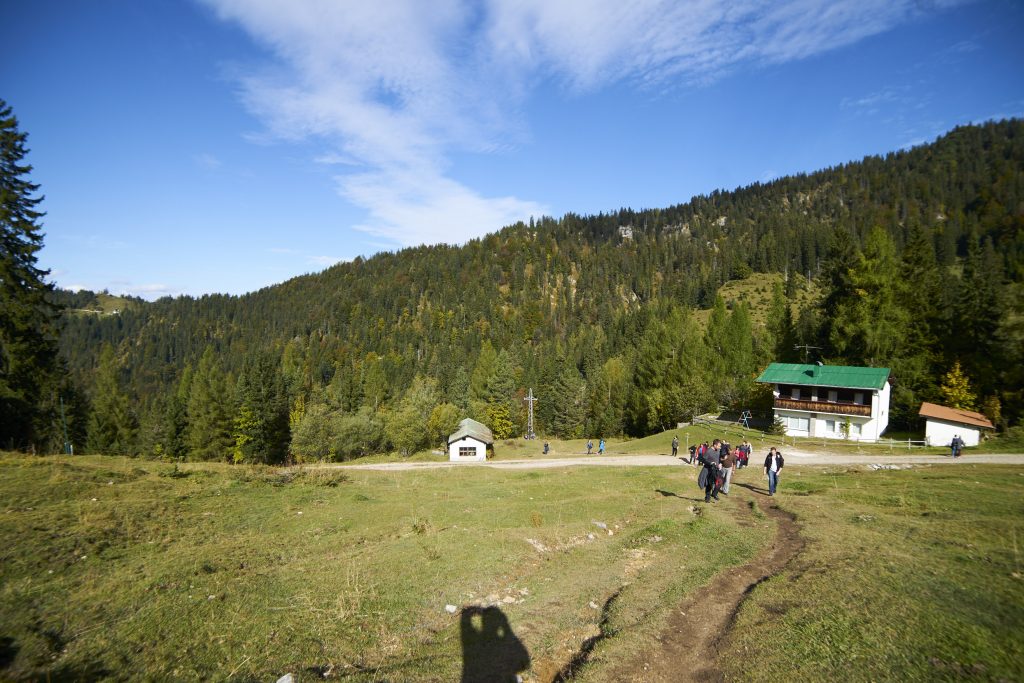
[792,458]
[698,625]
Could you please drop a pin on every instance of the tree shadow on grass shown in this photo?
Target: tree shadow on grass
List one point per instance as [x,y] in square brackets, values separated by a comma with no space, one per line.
[490,650]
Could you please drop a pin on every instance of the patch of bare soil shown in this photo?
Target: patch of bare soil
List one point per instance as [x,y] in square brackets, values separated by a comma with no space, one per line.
[685,650]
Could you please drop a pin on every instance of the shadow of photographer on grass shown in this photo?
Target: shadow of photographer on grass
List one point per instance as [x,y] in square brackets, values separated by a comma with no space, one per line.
[490,650]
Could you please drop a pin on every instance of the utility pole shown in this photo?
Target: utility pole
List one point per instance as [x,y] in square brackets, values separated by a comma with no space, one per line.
[530,400]
[806,348]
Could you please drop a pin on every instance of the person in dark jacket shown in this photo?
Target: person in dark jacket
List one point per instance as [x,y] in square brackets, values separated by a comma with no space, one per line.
[675,446]
[713,471]
[772,466]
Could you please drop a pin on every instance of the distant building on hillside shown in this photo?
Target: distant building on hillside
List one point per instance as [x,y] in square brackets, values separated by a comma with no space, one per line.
[830,401]
[942,424]
[469,442]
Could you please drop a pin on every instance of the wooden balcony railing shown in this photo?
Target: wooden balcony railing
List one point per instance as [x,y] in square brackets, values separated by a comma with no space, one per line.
[823,407]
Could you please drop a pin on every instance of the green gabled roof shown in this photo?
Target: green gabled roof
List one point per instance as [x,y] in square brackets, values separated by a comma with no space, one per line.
[472,428]
[841,376]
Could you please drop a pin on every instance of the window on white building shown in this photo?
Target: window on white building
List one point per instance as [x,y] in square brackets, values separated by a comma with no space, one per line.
[466,451]
[796,424]
[830,426]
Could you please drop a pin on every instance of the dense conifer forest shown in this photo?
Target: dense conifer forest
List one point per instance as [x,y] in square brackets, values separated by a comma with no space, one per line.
[915,260]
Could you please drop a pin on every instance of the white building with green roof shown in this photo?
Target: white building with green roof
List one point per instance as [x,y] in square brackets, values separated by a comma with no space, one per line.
[830,401]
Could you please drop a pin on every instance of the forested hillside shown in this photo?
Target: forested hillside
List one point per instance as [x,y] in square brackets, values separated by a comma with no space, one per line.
[918,258]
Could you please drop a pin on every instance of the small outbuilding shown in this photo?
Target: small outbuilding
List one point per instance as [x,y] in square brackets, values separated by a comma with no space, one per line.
[469,442]
[942,424]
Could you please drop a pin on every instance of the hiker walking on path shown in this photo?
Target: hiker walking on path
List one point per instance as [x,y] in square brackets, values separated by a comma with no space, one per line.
[675,446]
[600,447]
[728,461]
[772,466]
[956,445]
[743,458]
[590,446]
[712,471]
[693,454]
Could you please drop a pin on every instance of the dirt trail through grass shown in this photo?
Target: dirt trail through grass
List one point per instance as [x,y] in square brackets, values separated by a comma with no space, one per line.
[688,648]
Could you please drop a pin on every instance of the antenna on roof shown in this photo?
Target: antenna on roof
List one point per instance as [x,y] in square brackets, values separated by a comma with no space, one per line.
[806,348]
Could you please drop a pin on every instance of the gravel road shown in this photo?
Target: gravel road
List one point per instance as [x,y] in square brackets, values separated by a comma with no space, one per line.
[793,457]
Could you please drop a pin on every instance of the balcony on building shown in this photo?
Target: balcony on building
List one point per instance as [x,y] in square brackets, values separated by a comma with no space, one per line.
[838,401]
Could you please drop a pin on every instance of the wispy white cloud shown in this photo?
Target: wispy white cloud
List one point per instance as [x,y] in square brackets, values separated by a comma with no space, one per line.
[872,101]
[313,260]
[395,87]
[208,161]
[326,261]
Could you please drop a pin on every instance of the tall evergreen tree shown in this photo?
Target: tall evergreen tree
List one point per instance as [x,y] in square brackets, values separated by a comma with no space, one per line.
[113,426]
[28,340]
[781,328]
[261,420]
[209,411]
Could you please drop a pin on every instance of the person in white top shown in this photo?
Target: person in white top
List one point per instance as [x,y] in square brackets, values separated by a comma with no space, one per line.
[772,466]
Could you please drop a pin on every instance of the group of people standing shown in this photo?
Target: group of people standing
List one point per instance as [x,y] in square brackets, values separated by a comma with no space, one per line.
[720,460]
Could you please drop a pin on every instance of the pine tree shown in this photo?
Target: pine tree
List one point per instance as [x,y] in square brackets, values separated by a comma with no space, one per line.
[567,396]
[261,422]
[28,339]
[113,426]
[174,439]
[781,328]
[209,416]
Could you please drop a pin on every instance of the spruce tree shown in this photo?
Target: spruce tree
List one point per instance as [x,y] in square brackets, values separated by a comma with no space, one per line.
[28,339]
[113,426]
[209,412]
[261,421]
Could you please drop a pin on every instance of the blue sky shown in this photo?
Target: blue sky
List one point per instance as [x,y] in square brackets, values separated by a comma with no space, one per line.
[226,145]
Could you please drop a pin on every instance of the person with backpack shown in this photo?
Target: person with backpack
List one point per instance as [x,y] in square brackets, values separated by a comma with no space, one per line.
[600,447]
[675,446]
[693,454]
[590,446]
[743,459]
[772,467]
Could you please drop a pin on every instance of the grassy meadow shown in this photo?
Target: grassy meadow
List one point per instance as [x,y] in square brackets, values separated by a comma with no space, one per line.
[134,569]
[909,575]
[126,569]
